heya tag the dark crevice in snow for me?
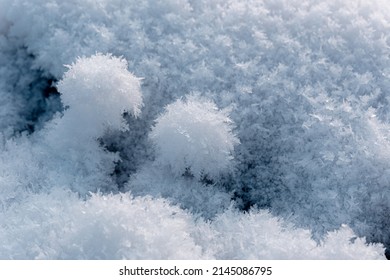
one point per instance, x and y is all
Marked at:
(44, 102)
(132, 146)
(33, 97)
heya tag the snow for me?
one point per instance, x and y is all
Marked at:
(58, 225)
(193, 136)
(246, 128)
(95, 93)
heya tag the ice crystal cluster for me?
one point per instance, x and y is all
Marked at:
(191, 129)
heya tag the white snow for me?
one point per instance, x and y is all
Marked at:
(246, 128)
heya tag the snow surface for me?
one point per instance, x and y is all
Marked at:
(191, 129)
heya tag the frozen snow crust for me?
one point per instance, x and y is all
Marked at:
(194, 129)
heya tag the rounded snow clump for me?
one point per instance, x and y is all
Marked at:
(193, 137)
(96, 91)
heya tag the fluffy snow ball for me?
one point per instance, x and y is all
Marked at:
(96, 91)
(194, 137)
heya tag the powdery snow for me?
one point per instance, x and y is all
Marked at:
(246, 128)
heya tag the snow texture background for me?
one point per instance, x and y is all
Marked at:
(194, 129)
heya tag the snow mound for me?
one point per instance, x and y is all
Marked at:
(96, 92)
(193, 136)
